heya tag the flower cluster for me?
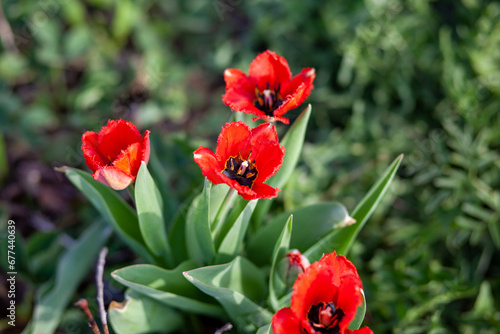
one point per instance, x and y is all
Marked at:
(327, 294)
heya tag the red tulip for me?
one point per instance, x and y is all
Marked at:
(244, 159)
(325, 299)
(115, 153)
(269, 90)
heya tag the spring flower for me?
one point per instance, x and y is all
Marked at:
(325, 299)
(115, 153)
(244, 159)
(269, 90)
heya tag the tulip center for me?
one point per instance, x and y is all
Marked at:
(268, 100)
(325, 318)
(241, 170)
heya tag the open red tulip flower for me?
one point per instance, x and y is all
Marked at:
(325, 299)
(269, 90)
(244, 159)
(115, 153)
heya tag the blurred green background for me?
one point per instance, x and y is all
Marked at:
(419, 77)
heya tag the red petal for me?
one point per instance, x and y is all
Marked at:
(266, 151)
(236, 79)
(312, 287)
(129, 160)
(241, 101)
(324, 281)
(272, 119)
(306, 77)
(285, 322)
(270, 68)
(113, 177)
(348, 299)
(263, 190)
(247, 193)
(89, 147)
(364, 330)
(210, 166)
(232, 140)
(264, 132)
(291, 101)
(146, 147)
(117, 136)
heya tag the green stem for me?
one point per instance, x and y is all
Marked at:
(223, 210)
(131, 192)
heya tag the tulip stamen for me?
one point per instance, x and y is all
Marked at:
(241, 170)
(268, 100)
(325, 318)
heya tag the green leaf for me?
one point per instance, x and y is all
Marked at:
(113, 208)
(485, 301)
(235, 285)
(149, 205)
(177, 231)
(360, 314)
(341, 240)
(280, 250)
(217, 196)
(310, 224)
(231, 244)
(265, 329)
(73, 267)
(167, 286)
(199, 241)
(141, 314)
(293, 142)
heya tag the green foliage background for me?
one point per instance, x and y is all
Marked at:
(416, 77)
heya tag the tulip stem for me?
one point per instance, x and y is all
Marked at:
(222, 213)
(131, 192)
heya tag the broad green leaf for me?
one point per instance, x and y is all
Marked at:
(265, 329)
(310, 224)
(73, 267)
(199, 242)
(231, 243)
(217, 196)
(293, 142)
(113, 208)
(360, 314)
(342, 239)
(280, 250)
(177, 231)
(221, 222)
(160, 175)
(167, 286)
(149, 205)
(140, 314)
(229, 211)
(236, 285)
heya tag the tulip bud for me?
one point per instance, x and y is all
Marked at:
(294, 264)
